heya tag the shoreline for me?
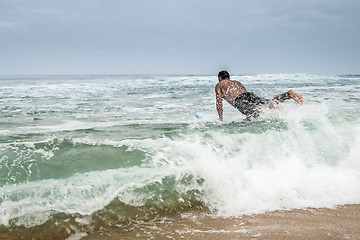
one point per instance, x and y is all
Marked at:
(341, 222)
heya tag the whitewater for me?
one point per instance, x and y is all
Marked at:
(103, 147)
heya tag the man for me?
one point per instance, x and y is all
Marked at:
(246, 102)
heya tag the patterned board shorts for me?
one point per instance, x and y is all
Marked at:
(247, 102)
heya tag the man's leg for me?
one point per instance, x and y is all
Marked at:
(289, 95)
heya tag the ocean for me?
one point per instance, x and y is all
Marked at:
(80, 154)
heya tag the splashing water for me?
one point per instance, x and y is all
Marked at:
(104, 145)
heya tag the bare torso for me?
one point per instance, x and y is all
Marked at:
(229, 90)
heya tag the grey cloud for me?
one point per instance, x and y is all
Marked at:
(179, 36)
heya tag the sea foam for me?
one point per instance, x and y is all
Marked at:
(82, 146)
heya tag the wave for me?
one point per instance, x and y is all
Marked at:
(106, 154)
(231, 169)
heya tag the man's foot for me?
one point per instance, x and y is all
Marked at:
(296, 97)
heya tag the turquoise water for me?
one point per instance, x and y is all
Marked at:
(108, 147)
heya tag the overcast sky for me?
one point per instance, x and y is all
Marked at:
(179, 36)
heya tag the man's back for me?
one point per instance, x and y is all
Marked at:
(229, 89)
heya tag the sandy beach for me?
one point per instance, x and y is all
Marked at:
(338, 223)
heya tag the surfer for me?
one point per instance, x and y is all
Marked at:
(246, 102)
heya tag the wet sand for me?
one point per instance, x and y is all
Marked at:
(339, 223)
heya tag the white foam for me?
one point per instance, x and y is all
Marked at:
(302, 166)
(310, 160)
(81, 193)
(77, 235)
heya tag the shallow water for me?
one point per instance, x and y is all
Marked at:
(84, 150)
